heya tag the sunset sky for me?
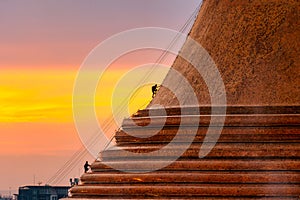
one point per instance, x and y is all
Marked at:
(42, 45)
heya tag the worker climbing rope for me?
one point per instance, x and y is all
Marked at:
(86, 167)
(154, 90)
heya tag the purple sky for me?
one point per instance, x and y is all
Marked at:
(55, 33)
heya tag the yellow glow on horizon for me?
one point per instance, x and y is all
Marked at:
(46, 96)
(36, 106)
(36, 96)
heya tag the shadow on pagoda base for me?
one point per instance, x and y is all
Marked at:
(257, 156)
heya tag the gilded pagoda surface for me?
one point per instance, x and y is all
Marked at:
(255, 45)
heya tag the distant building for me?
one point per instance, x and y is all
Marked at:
(46, 192)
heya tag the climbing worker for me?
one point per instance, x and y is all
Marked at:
(76, 181)
(86, 167)
(154, 90)
(71, 182)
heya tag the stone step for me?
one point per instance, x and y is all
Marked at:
(261, 120)
(138, 144)
(252, 134)
(198, 190)
(194, 147)
(220, 150)
(197, 198)
(192, 177)
(153, 146)
(204, 165)
(206, 110)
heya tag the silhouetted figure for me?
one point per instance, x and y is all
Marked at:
(76, 181)
(86, 167)
(71, 182)
(154, 90)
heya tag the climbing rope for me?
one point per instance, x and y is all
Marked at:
(62, 173)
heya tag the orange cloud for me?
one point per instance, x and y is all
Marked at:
(30, 96)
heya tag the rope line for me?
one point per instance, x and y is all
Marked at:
(82, 151)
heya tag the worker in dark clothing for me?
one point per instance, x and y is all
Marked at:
(76, 181)
(71, 182)
(86, 167)
(154, 90)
